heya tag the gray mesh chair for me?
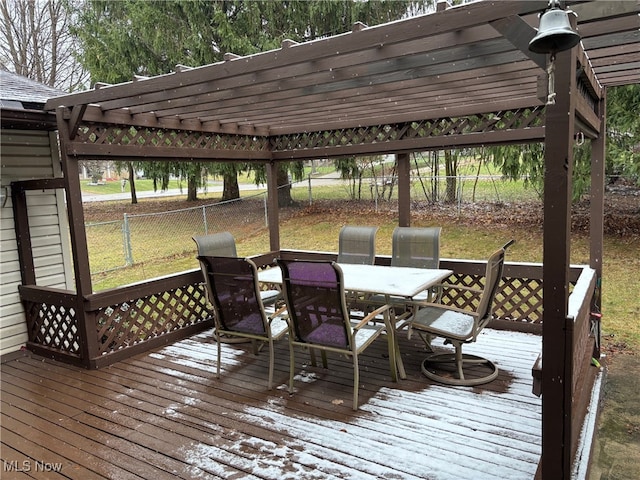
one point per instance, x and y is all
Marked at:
(233, 290)
(417, 247)
(458, 327)
(356, 244)
(319, 318)
(222, 244)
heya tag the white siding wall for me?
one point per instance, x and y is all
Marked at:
(30, 155)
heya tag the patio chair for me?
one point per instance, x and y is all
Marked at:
(417, 247)
(222, 244)
(319, 318)
(232, 287)
(356, 244)
(458, 327)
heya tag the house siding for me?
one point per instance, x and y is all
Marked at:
(26, 155)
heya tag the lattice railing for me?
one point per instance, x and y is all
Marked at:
(97, 134)
(517, 299)
(133, 318)
(439, 127)
(129, 323)
(54, 326)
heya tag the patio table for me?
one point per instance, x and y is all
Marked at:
(378, 280)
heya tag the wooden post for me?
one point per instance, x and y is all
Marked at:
(23, 235)
(404, 190)
(596, 213)
(556, 347)
(87, 327)
(21, 221)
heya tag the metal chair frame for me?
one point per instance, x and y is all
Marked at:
(458, 327)
(319, 317)
(234, 291)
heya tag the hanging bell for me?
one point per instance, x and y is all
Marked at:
(555, 33)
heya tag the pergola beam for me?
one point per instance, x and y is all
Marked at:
(418, 28)
(163, 153)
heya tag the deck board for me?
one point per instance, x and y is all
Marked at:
(164, 415)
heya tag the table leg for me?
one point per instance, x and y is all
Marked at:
(399, 364)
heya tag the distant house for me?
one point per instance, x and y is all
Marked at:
(29, 151)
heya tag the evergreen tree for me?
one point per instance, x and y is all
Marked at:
(121, 38)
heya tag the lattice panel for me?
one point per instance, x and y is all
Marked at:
(440, 127)
(97, 134)
(517, 299)
(520, 299)
(120, 326)
(54, 326)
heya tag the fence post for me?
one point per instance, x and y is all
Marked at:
(126, 237)
(459, 194)
(204, 219)
(375, 189)
(310, 194)
(266, 213)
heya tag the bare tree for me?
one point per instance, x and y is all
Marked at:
(36, 42)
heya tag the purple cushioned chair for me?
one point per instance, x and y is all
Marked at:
(233, 290)
(319, 318)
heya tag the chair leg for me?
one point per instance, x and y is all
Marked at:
(356, 381)
(255, 345)
(219, 357)
(292, 367)
(271, 362)
(323, 354)
(426, 339)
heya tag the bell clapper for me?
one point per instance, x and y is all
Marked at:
(551, 91)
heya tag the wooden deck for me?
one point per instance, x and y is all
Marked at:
(164, 415)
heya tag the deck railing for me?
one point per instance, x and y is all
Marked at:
(108, 326)
(583, 329)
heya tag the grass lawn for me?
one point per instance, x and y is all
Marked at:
(319, 231)
(114, 186)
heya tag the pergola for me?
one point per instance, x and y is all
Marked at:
(462, 76)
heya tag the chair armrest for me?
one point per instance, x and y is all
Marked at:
(371, 316)
(277, 313)
(451, 286)
(440, 306)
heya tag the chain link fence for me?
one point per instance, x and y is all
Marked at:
(457, 190)
(160, 237)
(166, 235)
